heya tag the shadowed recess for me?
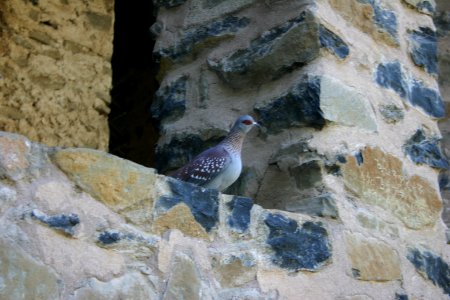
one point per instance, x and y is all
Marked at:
(132, 131)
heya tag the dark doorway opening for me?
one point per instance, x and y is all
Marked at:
(133, 135)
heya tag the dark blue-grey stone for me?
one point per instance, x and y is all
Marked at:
(109, 237)
(442, 22)
(181, 150)
(297, 248)
(203, 203)
(170, 100)
(298, 107)
(168, 3)
(383, 18)
(240, 213)
(426, 6)
(341, 158)
(424, 49)
(272, 54)
(432, 267)
(444, 181)
(423, 150)
(428, 99)
(195, 36)
(390, 76)
(64, 223)
(359, 158)
(333, 42)
(401, 296)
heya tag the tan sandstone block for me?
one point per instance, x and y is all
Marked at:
(124, 186)
(112, 180)
(180, 217)
(371, 259)
(380, 181)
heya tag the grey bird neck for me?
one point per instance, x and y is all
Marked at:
(234, 140)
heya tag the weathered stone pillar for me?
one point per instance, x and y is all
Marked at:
(55, 72)
(442, 21)
(327, 79)
(348, 94)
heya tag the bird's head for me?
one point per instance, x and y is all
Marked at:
(245, 123)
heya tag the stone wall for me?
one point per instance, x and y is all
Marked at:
(325, 78)
(55, 72)
(344, 175)
(442, 21)
(82, 224)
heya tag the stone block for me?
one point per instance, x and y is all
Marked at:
(202, 203)
(124, 186)
(380, 180)
(312, 101)
(179, 217)
(321, 206)
(371, 259)
(297, 248)
(432, 267)
(300, 106)
(109, 237)
(234, 270)
(131, 286)
(13, 156)
(424, 6)
(239, 218)
(370, 221)
(333, 42)
(391, 113)
(128, 238)
(8, 197)
(423, 150)
(170, 100)
(371, 17)
(424, 49)
(428, 100)
(184, 281)
(294, 182)
(278, 51)
(200, 36)
(62, 222)
(23, 277)
(390, 75)
(384, 19)
(344, 105)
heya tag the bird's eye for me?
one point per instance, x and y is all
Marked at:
(247, 122)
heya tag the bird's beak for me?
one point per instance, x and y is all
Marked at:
(256, 124)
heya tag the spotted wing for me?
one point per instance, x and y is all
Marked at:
(204, 167)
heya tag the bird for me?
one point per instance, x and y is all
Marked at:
(220, 166)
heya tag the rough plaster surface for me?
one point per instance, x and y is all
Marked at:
(55, 72)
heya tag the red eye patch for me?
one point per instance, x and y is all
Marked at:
(247, 122)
